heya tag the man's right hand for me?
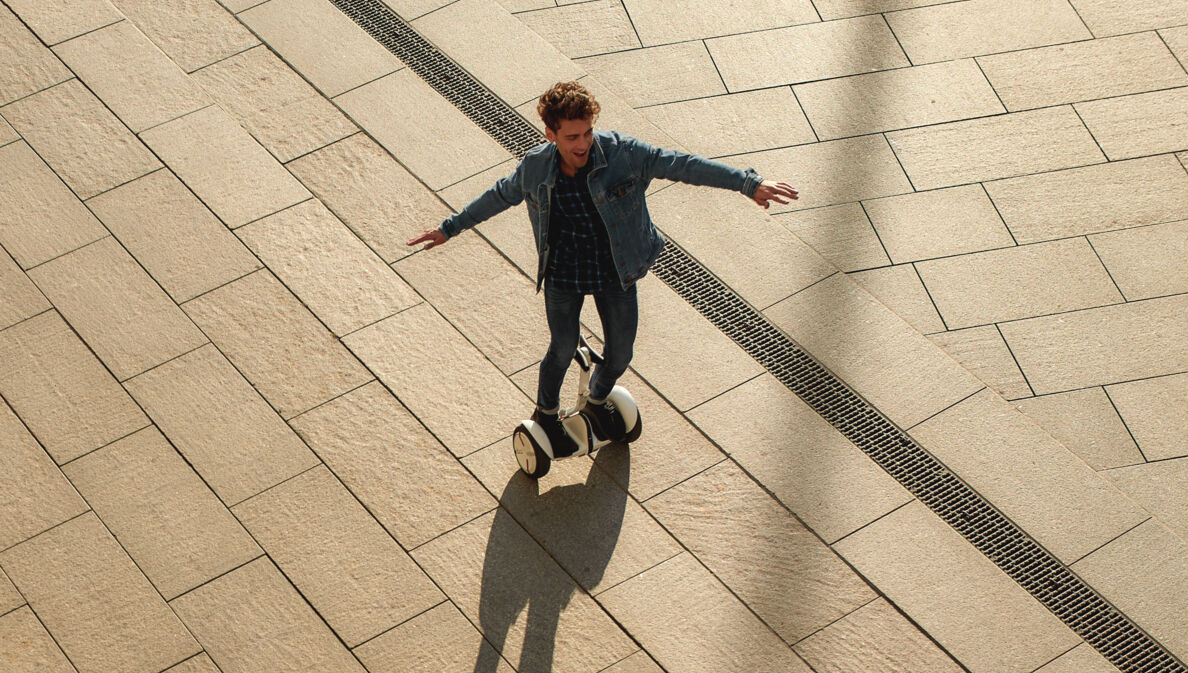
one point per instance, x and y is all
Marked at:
(433, 236)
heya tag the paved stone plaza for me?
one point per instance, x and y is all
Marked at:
(245, 429)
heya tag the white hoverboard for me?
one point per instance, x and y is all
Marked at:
(533, 450)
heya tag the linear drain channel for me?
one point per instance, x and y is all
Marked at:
(1045, 577)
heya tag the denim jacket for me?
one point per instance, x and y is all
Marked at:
(621, 169)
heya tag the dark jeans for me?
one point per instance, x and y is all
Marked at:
(619, 311)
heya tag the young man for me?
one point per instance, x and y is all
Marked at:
(585, 195)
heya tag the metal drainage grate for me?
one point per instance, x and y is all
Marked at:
(1123, 643)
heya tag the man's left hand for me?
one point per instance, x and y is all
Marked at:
(780, 192)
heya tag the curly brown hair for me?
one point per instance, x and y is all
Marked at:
(566, 100)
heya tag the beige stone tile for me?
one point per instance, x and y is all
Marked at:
(1161, 487)
(874, 633)
(1137, 125)
(411, 9)
(10, 598)
(938, 223)
(491, 569)
(427, 134)
(511, 233)
(438, 641)
(1144, 262)
(811, 467)
(949, 31)
(115, 306)
(62, 393)
(7, 133)
(435, 372)
(839, 9)
(568, 27)
(194, 33)
(334, 273)
(168, 521)
(132, 76)
(657, 75)
(1145, 575)
(285, 634)
(393, 465)
(861, 341)
(223, 428)
(36, 494)
(1030, 477)
(639, 662)
(278, 345)
(1153, 411)
(232, 174)
(735, 123)
(287, 115)
(198, 664)
(459, 194)
(322, 43)
(1087, 424)
(57, 20)
(996, 147)
(340, 558)
(487, 299)
(1083, 71)
(1018, 282)
(1177, 40)
(899, 289)
(841, 234)
(25, 65)
(101, 610)
(1112, 17)
(665, 21)
(80, 138)
(1099, 346)
(20, 298)
(833, 172)
(1080, 201)
(896, 99)
(42, 218)
(176, 238)
(984, 353)
(617, 113)
(777, 263)
(720, 635)
(955, 594)
(580, 513)
(1081, 659)
(760, 551)
(805, 53)
(27, 647)
(371, 193)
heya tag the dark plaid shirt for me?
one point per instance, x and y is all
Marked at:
(581, 259)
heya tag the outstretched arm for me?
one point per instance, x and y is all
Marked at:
(780, 192)
(432, 236)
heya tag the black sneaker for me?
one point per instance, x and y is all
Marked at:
(607, 421)
(562, 444)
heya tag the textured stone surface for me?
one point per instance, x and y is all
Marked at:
(343, 282)
(393, 465)
(1138, 125)
(36, 495)
(322, 43)
(742, 122)
(996, 147)
(80, 138)
(1086, 423)
(568, 27)
(115, 306)
(1177, 41)
(371, 193)
(956, 595)
(42, 218)
(658, 74)
(1079, 201)
(666, 21)
(836, 9)
(287, 115)
(897, 99)
(1152, 410)
(10, 598)
(841, 234)
(7, 133)
(232, 174)
(900, 289)
(20, 298)
(132, 76)
(639, 662)
(285, 634)
(875, 638)
(58, 20)
(1146, 262)
(194, 33)
(886, 361)
(26, 646)
(1112, 17)
(805, 53)
(760, 551)
(812, 468)
(224, 429)
(176, 238)
(438, 641)
(340, 558)
(61, 392)
(938, 223)
(947, 31)
(1161, 487)
(1081, 659)
(25, 65)
(168, 521)
(411, 9)
(198, 664)
(720, 635)
(983, 352)
(101, 610)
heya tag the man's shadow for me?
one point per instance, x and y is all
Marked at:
(578, 525)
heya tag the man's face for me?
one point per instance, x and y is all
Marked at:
(573, 138)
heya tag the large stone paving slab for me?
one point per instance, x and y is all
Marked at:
(735, 123)
(842, 234)
(26, 66)
(438, 641)
(1086, 423)
(1112, 17)
(938, 223)
(665, 21)
(658, 74)
(876, 632)
(984, 353)
(57, 20)
(1161, 487)
(567, 27)
(10, 598)
(194, 33)
(28, 648)
(1146, 262)
(1153, 412)
(955, 30)
(900, 289)
(20, 298)
(1138, 125)
(7, 133)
